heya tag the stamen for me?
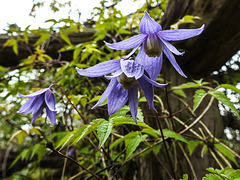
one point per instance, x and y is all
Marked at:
(152, 46)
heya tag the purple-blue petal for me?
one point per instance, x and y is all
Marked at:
(36, 114)
(180, 34)
(37, 103)
(128, 43)
(148, 92)
(27, 107)
(101, 69)
(34, 94)
(50, 100)
(133, 101)
(51, 115)
(152, 65)
(117, 98)
(171, 47)
(154, 83)
(173, 61)
(148, 25)
(113, 83)
(132, 69)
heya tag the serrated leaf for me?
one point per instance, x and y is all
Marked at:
(133, 143)
(224, 99)
(212, 177)
(192, 145)
(226, 152)
(174, 135)
(198, 97)
(186, 85)
(104, 129)
(229, 86)
(235, 175)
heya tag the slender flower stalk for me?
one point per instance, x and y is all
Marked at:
(154, 43)
(39, 100)
(123, 87)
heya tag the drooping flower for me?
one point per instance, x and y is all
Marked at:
(37, 102)
(154, 43)
(123, 87)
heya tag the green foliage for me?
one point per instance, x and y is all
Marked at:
(108, 145)
(227, 173)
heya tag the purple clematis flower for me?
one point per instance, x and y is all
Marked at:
(154, 41)
(123, 87)
(37, 102)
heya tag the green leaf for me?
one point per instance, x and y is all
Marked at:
(224, 99)
(226, 152)
(212, 177)
(179, 92)
(12, 43)
(229, 86)
(104, 129)
(172, 134)
(133, 143)
(3, 69)
(64, 36)
(42, 39)
(186, 85)
(152, 132)
(192, 145)
(198, 97)
(235, 175)
(185, 177)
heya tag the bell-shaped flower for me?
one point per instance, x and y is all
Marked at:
(37, 102)
(123, 87)
(154, 42)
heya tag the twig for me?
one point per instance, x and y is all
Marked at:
(189, 162)
(50, 146)
(165, 146)
(199, 117)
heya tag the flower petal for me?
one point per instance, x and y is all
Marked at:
(34, 94)
(50, 100)
(132, 69)
(101, 69)
(113, 83)
(152, 65)
(36, 114)
(27, 107)
(133, 101)
(51, 115)
(37, 103)
(171, 47)
(148, 92)
(148, 25)
(180, 34)
(153, 82)
(173, 61)
(117, 98)
(128, 43)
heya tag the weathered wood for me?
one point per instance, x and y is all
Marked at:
(220, 39)
(8, 58)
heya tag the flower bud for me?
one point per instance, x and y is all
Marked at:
(127, 82)
(152, 46)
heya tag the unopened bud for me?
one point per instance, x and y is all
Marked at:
(127, 82)
(152, 46)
